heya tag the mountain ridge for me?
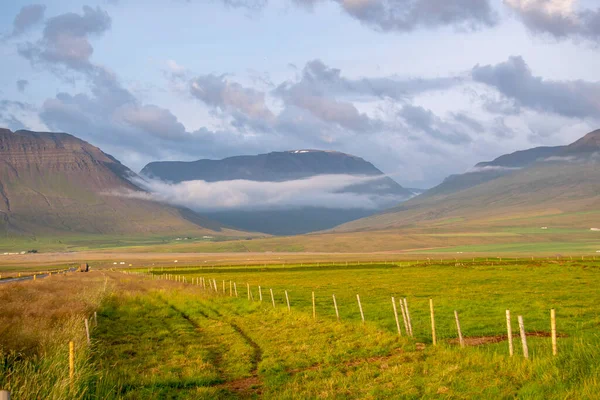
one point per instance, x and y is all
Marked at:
(555, 185)
(56, 183)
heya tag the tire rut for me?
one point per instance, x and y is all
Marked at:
(243, 386)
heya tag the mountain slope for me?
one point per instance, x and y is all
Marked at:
(55, 183)
(490, 170)
(562, 189)
(281, 167)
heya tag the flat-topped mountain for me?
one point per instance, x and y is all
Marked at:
(55, 183)
(281, 167)
(276, 167)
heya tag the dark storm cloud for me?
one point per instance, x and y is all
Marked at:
(557, 18)
(407, 15)
(514, 79)
(28, 17)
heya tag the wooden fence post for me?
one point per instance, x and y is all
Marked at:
(260, 293)
(408, 317)
(230, 289)
(460, 336)
(337, 313)
(87, 331)
(553, 330)
(404, 316)
(432, 322)
(72, 365)
(287, 299)
(523, 337)
(511, 350)
(314, 306)
(272, 298)
(95, 318)
(248, 288)
(235, 289)
(4, 395)
(362, 315)
(396, 316)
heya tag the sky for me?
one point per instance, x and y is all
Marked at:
(420, 88)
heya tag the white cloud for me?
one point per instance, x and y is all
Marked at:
(318, 191)
(491, 168)
(559, 18)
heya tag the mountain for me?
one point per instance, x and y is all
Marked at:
(490, 170)
(557, 186)
(281, 167)
(276, 167)
(55, 183)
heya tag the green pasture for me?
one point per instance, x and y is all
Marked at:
(184, 341)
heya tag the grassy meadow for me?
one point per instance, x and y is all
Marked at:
(166, 339)
(478, 239)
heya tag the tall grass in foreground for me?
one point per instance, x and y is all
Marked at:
(37, 321)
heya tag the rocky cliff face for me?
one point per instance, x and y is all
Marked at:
(56, 183)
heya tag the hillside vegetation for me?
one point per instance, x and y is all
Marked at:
(54, 183)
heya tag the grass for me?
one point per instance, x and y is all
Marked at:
(161, 339)
(480, 291)
(85, 242)
(551, 248)
(37, 321)
(504, 236)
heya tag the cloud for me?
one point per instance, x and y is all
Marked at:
(558, 18)
(514, 79)
(218, 92)
(420, 119)
(317, 191)
(152, 119)
(22, 84)
(593, 157)
(491, 168)
(408, 15)
(322, 94)
(375, 117)
(28, 17)
(253, 5)
(318, 78)
(65, 40)
(13, 113)
(330, 110)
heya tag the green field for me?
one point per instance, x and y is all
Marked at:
(448, 238)
(165, 339)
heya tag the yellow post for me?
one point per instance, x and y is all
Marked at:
(432, 322)
(72, 364)
(553, 330)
